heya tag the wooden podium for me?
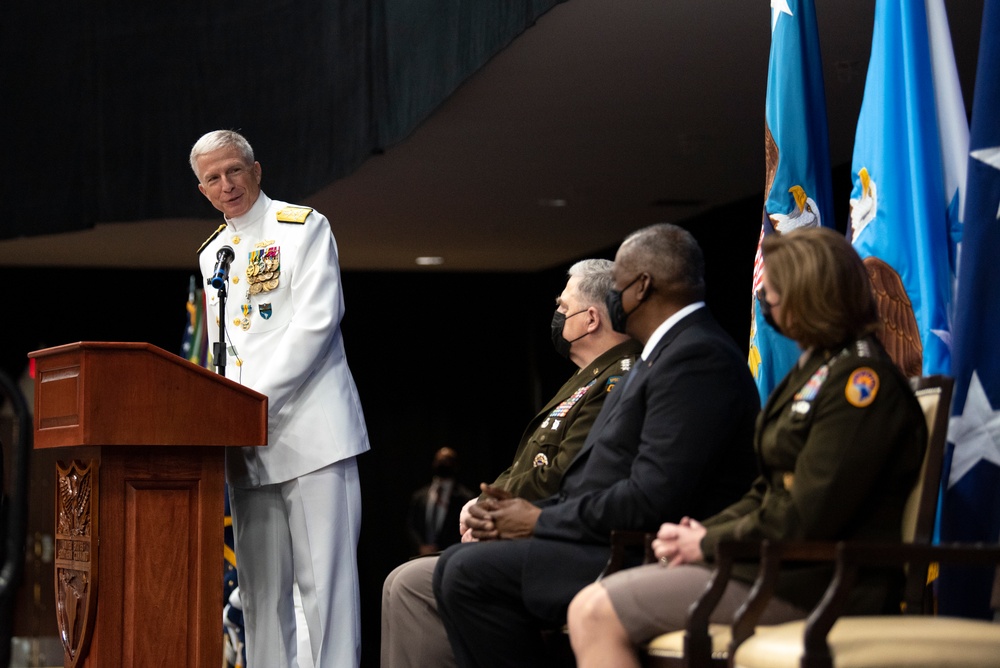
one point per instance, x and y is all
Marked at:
(139, 499)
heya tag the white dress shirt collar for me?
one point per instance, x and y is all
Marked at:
(666, 325)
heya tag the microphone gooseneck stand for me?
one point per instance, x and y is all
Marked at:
(219, 350)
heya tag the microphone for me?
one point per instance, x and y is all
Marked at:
(222, 260)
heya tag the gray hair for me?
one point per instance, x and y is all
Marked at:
(595, 280)
(218, 139)
(671, 256)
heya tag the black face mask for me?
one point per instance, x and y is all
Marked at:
(558, 340)
(615, 309)
(765, 310)
(444, 470)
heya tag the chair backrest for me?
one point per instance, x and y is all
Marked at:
(920, 511)
(934, 395)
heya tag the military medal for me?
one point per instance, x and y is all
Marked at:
(563, 408)
(263, 267)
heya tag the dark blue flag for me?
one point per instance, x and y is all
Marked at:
(971, 510)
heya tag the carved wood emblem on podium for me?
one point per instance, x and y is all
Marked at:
(76, 556)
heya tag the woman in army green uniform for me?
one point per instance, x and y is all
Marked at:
(839, 444)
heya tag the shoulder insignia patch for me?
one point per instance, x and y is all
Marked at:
(540, 460)
(610, 385)
(209, 240)
(861, 387)
(293, 214)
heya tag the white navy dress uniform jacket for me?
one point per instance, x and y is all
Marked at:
(285, 342)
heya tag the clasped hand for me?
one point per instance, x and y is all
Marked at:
(499, 516)
(679, 543)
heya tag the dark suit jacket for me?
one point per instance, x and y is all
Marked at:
(675, 441)
(416, 518)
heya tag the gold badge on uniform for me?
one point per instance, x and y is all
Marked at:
(540, 460)
(788, 480)
(862, 387)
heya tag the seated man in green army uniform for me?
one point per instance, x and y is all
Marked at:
(581, 330)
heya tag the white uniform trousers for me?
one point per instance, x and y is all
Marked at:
(304, 530)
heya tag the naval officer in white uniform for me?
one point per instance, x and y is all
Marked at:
(296, 503)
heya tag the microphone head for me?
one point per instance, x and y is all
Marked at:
(223, 257)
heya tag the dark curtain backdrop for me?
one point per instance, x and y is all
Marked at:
(99, 101)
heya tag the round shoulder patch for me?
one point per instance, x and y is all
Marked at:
(862, 387)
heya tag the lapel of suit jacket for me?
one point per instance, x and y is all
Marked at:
(612, 403)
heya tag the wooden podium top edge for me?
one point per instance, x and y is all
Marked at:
(147, 347)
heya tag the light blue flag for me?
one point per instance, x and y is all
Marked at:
(971, 509)
(953, 127)
(898, 203)
(799, 190)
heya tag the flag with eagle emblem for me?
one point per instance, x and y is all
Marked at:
(911, 128)
(798, 190)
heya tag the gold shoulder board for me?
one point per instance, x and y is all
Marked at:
(293, 214)
(209, 240)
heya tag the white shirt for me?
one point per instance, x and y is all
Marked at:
(666, 325)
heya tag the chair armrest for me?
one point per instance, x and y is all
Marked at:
(621, 542)
(772, 555)
(697, 640)
(851, 556)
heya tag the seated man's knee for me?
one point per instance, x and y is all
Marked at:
(414, 579)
